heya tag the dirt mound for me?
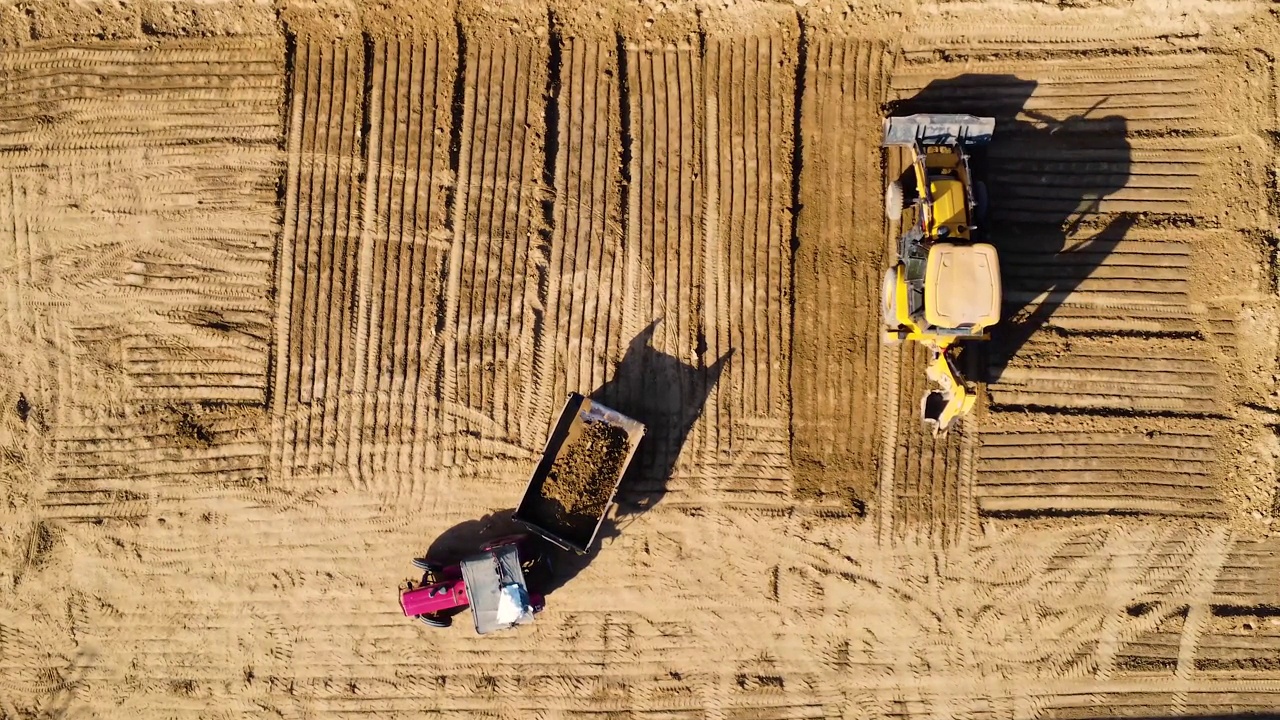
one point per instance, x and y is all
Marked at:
(582, 477)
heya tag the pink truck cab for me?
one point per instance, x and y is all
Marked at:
(491, 583)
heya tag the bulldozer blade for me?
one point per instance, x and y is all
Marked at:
(967, 130)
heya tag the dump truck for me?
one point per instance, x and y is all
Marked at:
(943, 288)
(491, 583)
(565, 502)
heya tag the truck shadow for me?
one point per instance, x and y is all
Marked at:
(659, 390)
(667, 396)
(558, 566)
(465, 538)
(1050, 166)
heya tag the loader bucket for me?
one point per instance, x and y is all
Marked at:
(940, 408)
(967, 130)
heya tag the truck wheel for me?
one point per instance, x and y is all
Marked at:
(893, 200)
(432, 572)
(426, 565)
(539, 570)
(435, 621)
(980, 206)
(535, 557)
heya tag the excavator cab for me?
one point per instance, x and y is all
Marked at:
(944, 286)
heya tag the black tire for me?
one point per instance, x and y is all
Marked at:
(435, 621)
(428, 566)
(533, 555)
(504, 540)
(432, 572)
(539, 570)
(980, 206)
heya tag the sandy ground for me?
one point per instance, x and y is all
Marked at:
(292, 293)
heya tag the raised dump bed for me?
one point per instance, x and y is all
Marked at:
(577, 478)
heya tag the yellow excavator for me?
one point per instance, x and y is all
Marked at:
(944, 286)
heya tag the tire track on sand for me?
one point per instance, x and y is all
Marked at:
(493, 283)
(586, 235)
(403, 256)
(316, 269)
(749, 94)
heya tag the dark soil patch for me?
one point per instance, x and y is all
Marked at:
(1133, 663)
(191, 432)
(40, 544)
(582, 476)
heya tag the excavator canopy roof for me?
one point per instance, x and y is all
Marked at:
(962, 286)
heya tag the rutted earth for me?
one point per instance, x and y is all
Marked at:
(292, 291)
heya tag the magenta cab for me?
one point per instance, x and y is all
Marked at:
(491, 583)
(433, 599)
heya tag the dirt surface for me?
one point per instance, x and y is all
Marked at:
(582, 477)
(292, 288)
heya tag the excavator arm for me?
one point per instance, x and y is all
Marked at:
(941, 407)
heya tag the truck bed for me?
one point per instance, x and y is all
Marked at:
(544, 515)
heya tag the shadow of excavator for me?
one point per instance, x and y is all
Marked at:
(1048, 181)
(661, 391)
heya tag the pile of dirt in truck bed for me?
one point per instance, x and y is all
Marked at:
(582, 476)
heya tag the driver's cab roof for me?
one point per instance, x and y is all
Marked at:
(486, 576)
(962, 286)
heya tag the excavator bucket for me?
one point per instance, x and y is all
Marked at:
(940, 408)
(966, 130)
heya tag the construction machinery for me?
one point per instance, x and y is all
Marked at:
(944, 286)
(492, 583)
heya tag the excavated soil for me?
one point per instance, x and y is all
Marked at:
(583, 475)
(290, 289)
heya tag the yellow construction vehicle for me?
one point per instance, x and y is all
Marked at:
(944, 286)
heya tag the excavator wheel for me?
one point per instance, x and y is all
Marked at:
(980, 202)
(893, 200)
(888, 299)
